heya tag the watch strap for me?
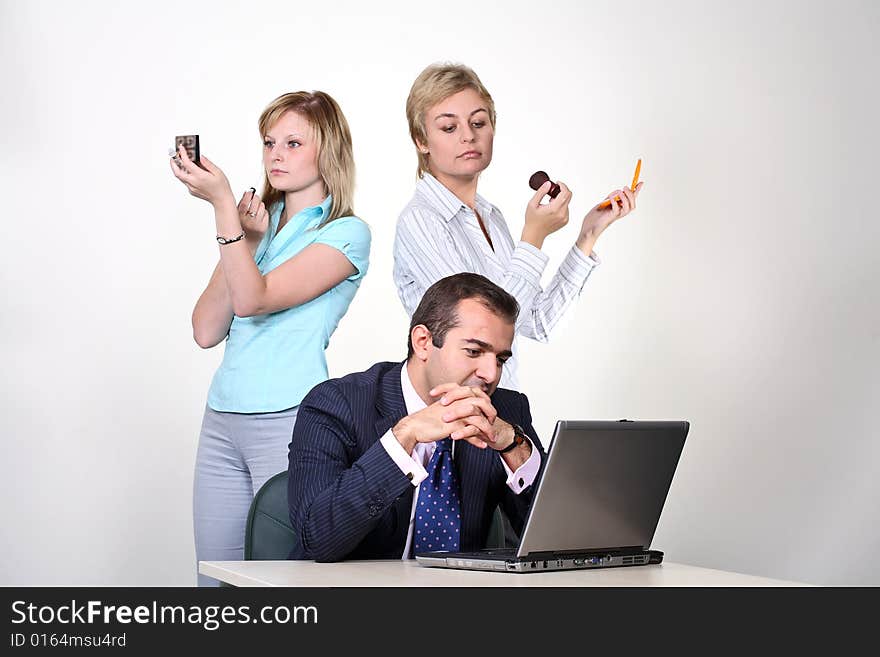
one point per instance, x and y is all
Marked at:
(519, 437)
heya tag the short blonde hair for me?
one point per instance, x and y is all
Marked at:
(436, 83)
(335, 156)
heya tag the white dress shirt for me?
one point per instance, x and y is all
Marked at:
(517, 480)
(438, 235)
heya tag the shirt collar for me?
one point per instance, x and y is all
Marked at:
(324, 208)
(444, 200)
(411, 398)
(313, 211)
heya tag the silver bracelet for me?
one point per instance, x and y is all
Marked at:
(222, 240)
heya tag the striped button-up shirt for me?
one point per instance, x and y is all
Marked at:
(438, 235)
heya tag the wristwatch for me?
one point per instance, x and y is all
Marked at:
(519, 437)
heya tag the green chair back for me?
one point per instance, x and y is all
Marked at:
(269, 536)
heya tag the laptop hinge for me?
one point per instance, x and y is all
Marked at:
(563, 554)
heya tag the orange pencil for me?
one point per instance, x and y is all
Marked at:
(636, 175)
(606, 204)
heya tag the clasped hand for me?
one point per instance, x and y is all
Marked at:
(462, 413)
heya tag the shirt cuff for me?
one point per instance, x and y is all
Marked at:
(589, 261)
(413, 470)
(525, 474)
(530, 261)
(577, 267)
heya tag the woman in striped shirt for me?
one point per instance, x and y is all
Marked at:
(448, 228)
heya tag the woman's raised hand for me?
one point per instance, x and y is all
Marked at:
(206, 182)
(254, 217)
(542, 219)
(623, 201)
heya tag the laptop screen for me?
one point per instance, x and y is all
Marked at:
(604, 486)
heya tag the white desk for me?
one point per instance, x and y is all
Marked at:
(408, 573)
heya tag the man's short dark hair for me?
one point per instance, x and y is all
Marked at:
(438, 309)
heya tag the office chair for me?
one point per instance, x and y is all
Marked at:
(501, 532)
(269, 536)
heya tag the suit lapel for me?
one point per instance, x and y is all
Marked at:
(389, 401)
(390, 408)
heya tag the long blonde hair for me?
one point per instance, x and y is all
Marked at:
(335, 157)
(436, 83)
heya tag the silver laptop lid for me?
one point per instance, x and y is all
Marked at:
(604, 486)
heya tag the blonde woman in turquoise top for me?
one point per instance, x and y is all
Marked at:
(291, 260)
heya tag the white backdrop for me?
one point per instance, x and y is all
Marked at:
(742, 295)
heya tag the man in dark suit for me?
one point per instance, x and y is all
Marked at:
(361, 444)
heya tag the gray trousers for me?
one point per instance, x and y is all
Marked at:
(237, 453)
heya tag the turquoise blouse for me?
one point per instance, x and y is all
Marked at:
(271, 361)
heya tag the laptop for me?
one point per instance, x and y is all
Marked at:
(597, 503)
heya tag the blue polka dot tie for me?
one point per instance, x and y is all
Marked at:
(438, 512)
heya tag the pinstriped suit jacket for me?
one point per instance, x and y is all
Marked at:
(349, 500)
